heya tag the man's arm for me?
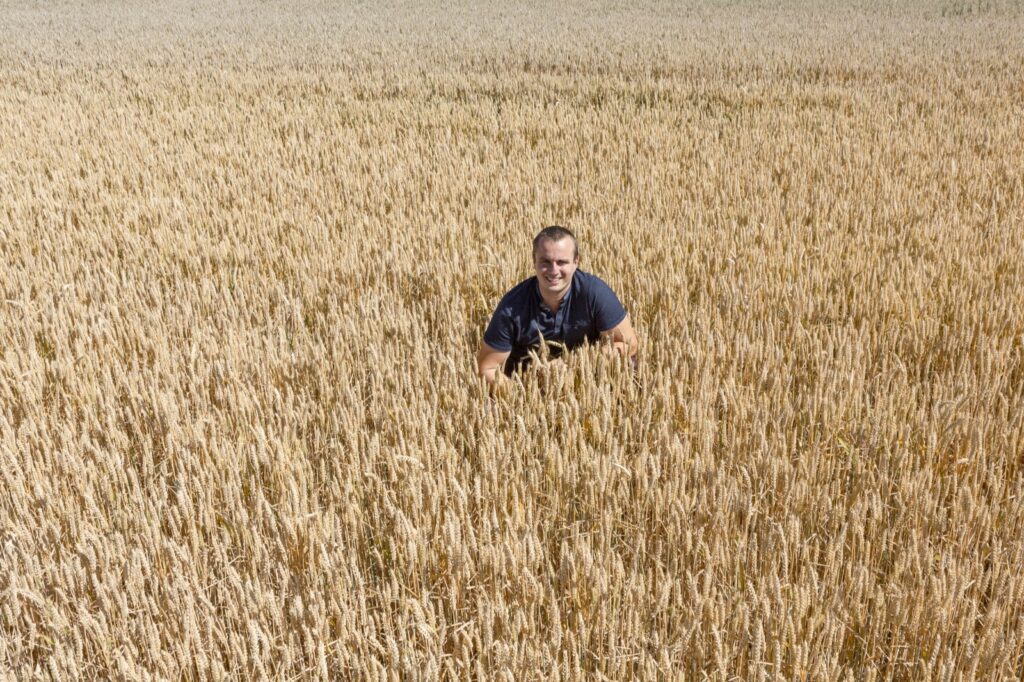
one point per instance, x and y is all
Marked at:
(622, 338)
(489, 362)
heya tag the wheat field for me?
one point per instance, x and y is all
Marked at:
(248, 252)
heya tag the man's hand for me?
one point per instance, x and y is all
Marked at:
(489, 362)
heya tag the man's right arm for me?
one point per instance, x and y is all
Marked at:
(489, 362)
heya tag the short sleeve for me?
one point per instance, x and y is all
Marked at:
(499, 331)
(608, 311)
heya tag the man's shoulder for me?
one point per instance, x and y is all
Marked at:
(600, 301)
(589, 283)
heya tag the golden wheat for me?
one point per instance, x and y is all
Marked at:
(248, 254)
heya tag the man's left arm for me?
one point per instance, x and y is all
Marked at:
(612, 320)
(622, 338)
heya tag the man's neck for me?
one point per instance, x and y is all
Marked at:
(553, 304)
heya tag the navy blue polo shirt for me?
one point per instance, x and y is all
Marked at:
(521, 318)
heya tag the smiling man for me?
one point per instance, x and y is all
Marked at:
(561, 306)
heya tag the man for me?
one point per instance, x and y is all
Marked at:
(561, 305)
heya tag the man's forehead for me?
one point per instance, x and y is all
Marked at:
(551, 248)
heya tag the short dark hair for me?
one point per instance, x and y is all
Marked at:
(556, 233)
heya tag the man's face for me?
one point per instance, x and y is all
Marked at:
(555, 263)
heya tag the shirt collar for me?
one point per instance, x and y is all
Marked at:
(565, 299)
